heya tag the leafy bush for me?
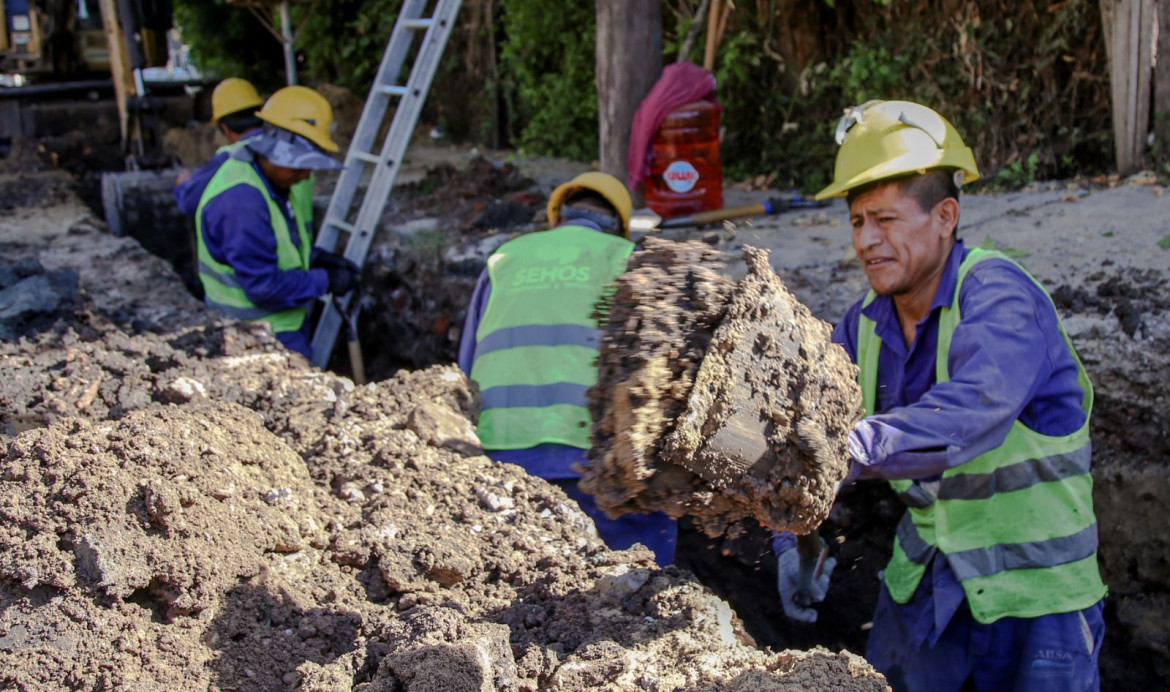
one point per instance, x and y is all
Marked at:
(547, 69)
(227, 41)
(343, 41)
(1025, 82)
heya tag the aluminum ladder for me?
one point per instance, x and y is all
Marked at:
(359, 224)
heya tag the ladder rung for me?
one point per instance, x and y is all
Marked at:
(418, 24)
(364, 156)
(393, 90)
(347, 227)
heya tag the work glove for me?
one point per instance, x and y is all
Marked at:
(342, 279)
(323, 259)
(797, 586)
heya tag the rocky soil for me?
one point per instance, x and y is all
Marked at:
(185, 505)
(1097, 245)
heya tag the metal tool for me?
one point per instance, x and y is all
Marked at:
(648, 221)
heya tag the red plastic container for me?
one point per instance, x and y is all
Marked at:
(686, 173)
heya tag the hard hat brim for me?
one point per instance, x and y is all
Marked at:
(291, 150)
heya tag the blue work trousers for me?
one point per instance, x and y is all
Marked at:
(656, 531)
(1056, 653)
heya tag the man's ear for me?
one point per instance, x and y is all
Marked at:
(946, 215)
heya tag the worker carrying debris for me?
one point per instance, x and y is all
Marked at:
(726, 401)
(979, 418)
(530, 342)
(254, 241)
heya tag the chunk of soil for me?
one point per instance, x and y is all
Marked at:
(760, 428)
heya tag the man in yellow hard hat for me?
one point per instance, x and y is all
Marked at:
(978, 414)
(255, 248)
(234, 103)
(531, 342)
(234, 106)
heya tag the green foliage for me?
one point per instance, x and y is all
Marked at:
(1018, 173)
(1026, 85)
(869, 71)
(1164, 243)
(343, 41)
(547, 69)
(227, 41)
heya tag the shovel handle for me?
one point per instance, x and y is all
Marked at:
(772, 206)
(355, 361)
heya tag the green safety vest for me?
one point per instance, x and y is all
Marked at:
(537, 344)
(221, 290)
(1016, 523)
(299, 195)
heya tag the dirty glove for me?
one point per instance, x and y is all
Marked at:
(323, 259)
(342, 280)
(798, 589)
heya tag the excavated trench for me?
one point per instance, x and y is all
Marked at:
(185, 505)
(416, 289)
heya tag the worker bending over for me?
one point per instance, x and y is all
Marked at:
(978, 416)
(254, 246)
(234, 103)
(531, 344)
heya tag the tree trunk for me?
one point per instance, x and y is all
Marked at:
(629, 61)
(1162, 68)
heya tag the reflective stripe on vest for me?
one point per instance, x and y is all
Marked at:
(1016, 523)
(537, 344)
(221, 289)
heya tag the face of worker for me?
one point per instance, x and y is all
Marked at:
(902, 248)
(280, 177)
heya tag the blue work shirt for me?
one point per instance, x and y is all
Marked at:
(1008, 361)
(237, 230)
(548, 461)
(188, 194)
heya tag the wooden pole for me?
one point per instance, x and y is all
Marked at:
(1162, 66)
(1130, 46)
(3, 29)
(715, 11)
(119, 64)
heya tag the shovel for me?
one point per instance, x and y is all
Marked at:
(349, 317)
(647, 221)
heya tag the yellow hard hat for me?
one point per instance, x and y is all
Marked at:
(887, 139)
(603, 184)
(303, 111)
(233, 95)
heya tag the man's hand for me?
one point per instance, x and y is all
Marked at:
(797, 586)
(323, 259)
(342, 280)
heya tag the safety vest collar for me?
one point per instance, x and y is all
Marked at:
(880, 309)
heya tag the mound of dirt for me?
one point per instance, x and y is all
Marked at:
(185, 505)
